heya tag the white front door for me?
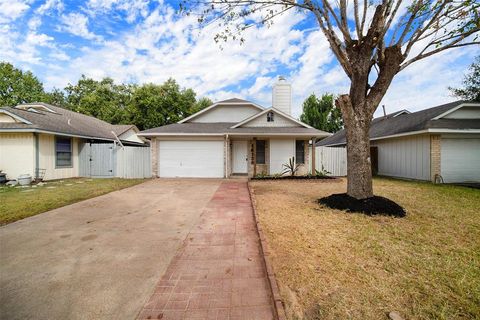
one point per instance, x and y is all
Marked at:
(240, 156)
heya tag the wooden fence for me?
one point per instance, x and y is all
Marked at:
(133, 162)
(333, 160)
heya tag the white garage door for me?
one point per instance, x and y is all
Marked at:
(196, 159)
(460, 160)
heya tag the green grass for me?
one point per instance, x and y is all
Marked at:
(336, 265)
(19, 203)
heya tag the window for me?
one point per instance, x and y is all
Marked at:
(270, 116)
(260, 155)
(63, 152)
(300, 151)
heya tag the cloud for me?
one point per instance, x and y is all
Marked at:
(50, 5)
(12, 9)
(77, 24)
(137, 41)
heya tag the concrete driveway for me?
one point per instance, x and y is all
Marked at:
(100, 258)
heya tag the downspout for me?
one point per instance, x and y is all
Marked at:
(37, 156)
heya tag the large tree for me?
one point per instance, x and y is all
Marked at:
(17, 86)
(372, 41)
(156, 105)
(471, 83)
(321, 113)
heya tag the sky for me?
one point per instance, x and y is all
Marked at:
(140, 41)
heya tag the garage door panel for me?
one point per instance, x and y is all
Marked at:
(460, 160)
(201, 159)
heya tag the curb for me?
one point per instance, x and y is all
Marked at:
(277, 299)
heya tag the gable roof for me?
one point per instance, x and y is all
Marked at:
(60, 121)
(233, 101)
(400, 123)
(255, 116)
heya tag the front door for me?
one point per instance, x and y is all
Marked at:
(240, 156)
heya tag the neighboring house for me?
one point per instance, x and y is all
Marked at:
(436, 144)
(38, 138)
(233, 137)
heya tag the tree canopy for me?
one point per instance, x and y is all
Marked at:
(321, 113)
(146, 105)
(471, 83)
(17, 86)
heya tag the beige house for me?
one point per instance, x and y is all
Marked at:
(439, 144)
(234, 137)
(44, 140)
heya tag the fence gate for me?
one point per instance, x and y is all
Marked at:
(101, 159)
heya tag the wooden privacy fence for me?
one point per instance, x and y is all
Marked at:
(333, 160)
(110, 160)
(133, 162)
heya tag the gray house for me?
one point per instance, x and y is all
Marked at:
(436, 144)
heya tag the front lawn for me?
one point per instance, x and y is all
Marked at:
(17, 203)
(336, 265)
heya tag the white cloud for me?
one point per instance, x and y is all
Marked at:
(132, 8)
(12, 9)
(50, 5)
(77, 24)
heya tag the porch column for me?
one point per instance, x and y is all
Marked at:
(313, 155)
(254, 157)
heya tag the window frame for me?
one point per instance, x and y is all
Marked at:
(264, 151)
(302, 142)
(270, 116)
(57, 166)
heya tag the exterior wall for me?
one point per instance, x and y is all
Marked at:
(305, 168)
(17, 154)
(260, 168)
(280, 151)
(279, 121)
(46, 143)
(227, 113)
(464, 113)
(405, 157)
(435, 156)
(154, 156)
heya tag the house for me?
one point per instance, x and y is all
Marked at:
(436, 144)
(234, 137)
(44, 140)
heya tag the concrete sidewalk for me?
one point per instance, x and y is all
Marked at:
(218, 273)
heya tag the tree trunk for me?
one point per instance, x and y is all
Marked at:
(357, 119)
(359, 169)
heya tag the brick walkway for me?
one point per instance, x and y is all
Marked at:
(218, 273)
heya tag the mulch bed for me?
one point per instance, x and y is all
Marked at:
(295, 178)
(375, 205)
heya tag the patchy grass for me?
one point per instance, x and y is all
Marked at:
(336, 265)
(17, 203)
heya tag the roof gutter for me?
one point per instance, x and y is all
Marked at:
(55, 133)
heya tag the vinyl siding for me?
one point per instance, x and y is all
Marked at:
(47, 158)
(17, 154)
(278, 121)
(232, 113)
(407, 157)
